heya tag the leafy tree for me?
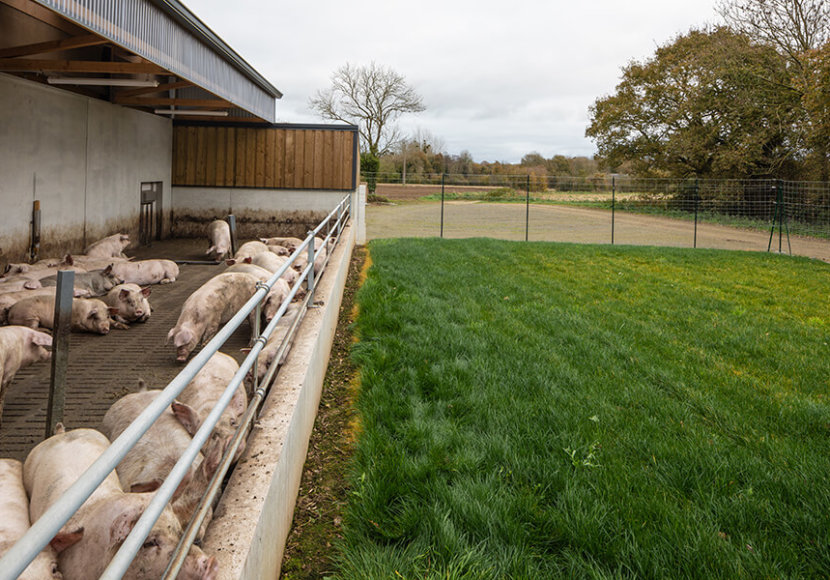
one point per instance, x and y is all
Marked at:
(372, 97)
(369, 165)
(709, 104)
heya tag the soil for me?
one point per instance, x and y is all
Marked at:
(557, 223)
(324, 488)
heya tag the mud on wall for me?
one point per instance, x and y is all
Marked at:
(258, 212)
(83, 159)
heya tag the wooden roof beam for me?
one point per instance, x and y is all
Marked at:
(159, 102)
(52, 46)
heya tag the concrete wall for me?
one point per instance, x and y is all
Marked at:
(259, 212)
(251, 523)
(83, 158)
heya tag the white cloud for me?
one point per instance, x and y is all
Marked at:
(499, 79)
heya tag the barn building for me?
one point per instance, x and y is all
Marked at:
(134, 116)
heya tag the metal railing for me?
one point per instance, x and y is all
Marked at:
(49, 524)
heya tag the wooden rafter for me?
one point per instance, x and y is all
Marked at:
(79, 66)
(44, 15)
(51, 46)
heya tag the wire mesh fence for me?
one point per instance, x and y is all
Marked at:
(618, 209)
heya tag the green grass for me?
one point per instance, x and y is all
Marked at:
(560, 411)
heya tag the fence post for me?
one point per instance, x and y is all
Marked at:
(64, 294)
(231, 219)
(613, 204)
(442, 204)
(697, 204)
(779, 195)
(34, 248)
(310, 280)
(527, 208)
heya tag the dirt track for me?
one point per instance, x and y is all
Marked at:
(464, 219)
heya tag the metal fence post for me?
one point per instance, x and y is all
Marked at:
(697, 204)
(527, 208)
(231, 219)
(779, 195)
(34, 248)
(310, 281)
(442, 204)
(613, 204)
(64, 294)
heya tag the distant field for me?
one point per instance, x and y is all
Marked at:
(554, 410)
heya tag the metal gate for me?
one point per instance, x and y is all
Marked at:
(149, 217)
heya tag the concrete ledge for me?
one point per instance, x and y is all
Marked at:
(252, 521)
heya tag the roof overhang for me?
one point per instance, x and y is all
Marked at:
(154, 55)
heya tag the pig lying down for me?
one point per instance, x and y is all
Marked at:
(88, 314)
(94, 534)
(146, 271)
(14, 522)
(127, 303)
(110, 247)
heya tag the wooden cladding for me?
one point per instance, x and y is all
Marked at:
(264, 157)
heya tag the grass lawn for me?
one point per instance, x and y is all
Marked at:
(552, 410)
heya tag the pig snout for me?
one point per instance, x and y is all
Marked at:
(182, 353)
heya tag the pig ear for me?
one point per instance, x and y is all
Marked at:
(247, 260)
(32, 284)
(41, 339)
(170, 335)
(123, 294)
(125, 237)
(213, 457)
(146, 486)
(93, 313)
(112, 311)
(186, 416)
(230, 262)
(145, 291)
(64, 540)
(124, 523)
(59, 429)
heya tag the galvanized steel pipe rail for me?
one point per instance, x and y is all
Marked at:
(49, 524)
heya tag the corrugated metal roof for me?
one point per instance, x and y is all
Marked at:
(166, 33)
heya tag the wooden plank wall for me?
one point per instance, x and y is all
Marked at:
(264, 157)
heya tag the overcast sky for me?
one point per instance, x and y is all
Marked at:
(498, 78)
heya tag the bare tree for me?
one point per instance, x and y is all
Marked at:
(372, 97)
(792, 26)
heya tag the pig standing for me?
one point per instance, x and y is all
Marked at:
(106, 518)
(219, 234)
(269, 351)
(110, 247)
(146, 271)
(14, 522)
(20, 347)
(149, 462)
(88, 314)
(96, 283)
(127, 303)
(204, 391)
(210, 306)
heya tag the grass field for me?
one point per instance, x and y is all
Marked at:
(554, 410)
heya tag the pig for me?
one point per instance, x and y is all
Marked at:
(88, 314)
(279, 250)
(37, 272)
(272, 346)
(276, 262)
(14, 522)
(279, 290)
(219, 234)
(250, 249)
(146, 271)
(9, 299)
(130, 303)
(18, 283)
(89, 264)
(210, 306)
(20, 347)
(96, 531)
(110, 247)
(275, 297)
(290, 243)
(97, 283)
(204, 391)
(149, 462)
